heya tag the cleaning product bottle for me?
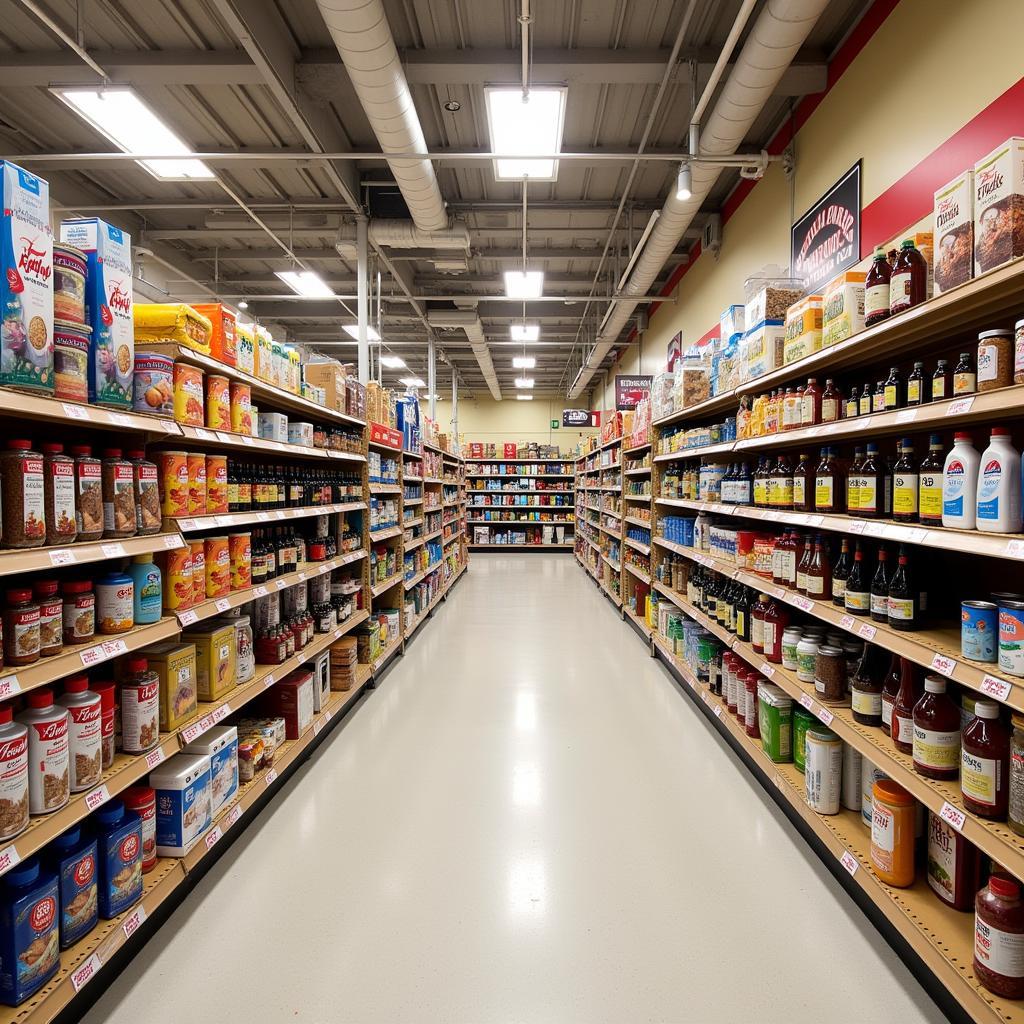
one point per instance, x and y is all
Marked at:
(148, 589)
(999, 494)
(959, 484)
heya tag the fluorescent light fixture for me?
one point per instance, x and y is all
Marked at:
(393, 362)
(524, 398)
(306, 283)
(523, 127)
(524, 382)
(684, 183)
(412, 382)
(525, 332)
(352, 330)
(524, 284)
(524, 362)
(123, 118)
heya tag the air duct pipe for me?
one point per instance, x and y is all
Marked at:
(469, 321)
(363, 37)
(402, 234)
(778, 33)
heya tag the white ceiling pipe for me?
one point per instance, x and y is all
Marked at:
(363, 37)
(469, 321)
(777, 34)
(403, 234)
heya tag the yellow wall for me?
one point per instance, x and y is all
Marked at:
(496, 422)
(930, 68)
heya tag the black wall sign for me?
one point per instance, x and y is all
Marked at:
(826, 239)
(580, 418)
(630, 391)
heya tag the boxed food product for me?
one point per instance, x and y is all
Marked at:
(953, 235)
(803, 328)
(292, 699)
(999, 206)
(695, 384)
(377, 404)
(215, 659)
(301, 433)
(175, 322)
(183, 802)
(108, 290)
(26, 281)
(732, 322)
(769, 297)
(331, 377)
(224, 335)
(264, 368)
(843, 314)
(762, 348)
(175, 664)
(321, 681)
(344, 659)
(245, 348)
(273, 426)
(220, 744)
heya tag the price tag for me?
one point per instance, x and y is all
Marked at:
(952, 816)
(76, 412)
(825, 715)
(262, 516)
(213, 837)
(875, 529)
(9, 686)
(906, 416)
(847, 621)
(96, 797)
(91, 656)
(866, 631)
(960, 406)
(187, 524)
(85, 973)
(718, 711)
(857, 526)
(114, 648)
(805, 700)
(995, 687)
(155, 757)
(1015, 548)
(134, 921)
(246, 439)
(114, 551)
(271, 777)
(766, 670)
(302, 577)
(9, 857)
(317, 726)
(233, 815)
(224, 438)
(813, 520)
(121, 420)
(279, 514)
(269, 680)
(219, 714)
(943, 664)
(777, 592)
(62, 556)
(186, 618)
(225, 520)
(190, 732)
(849, 862)
(803, 603)
(167, 426)
(223, 604)
(259, 591)
(205, 435)
(172, 541)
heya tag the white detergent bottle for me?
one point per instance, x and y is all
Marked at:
(959, 484)
(999, 485)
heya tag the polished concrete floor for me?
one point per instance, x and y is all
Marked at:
(526, 822)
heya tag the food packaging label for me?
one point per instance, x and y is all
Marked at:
(953, 233)
(999, 206)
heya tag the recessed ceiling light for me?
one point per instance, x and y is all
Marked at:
(393, 362)
(525, 126)
(124, 119)
(352, 330)
(412, 382)
(524, 362)
(524, 284)
(453, 106)
(524, 332)
(306, 283)
(524, 382)
(524, 398)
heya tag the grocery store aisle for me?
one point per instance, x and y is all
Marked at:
(526, 822)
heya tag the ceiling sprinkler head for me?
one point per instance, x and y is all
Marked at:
(453, 106)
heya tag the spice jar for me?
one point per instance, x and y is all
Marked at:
(59, 495)
(146, 484)
(88, 493)
(21, 628)
(119, 518)
(79, 613)
(21, 491)
(790, 643)
(892, 833)
(806, 656)
(999, 937)
(830, 674)
(1018, 352)
(51, 618)
(140, 707)
(995, 360)
(115, 603)
(48, 762)
(85, 732)
(936, 750)
(985, 763)
(14, 772)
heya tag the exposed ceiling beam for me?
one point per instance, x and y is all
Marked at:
(272, 308)
(187, 234)
(223, 256)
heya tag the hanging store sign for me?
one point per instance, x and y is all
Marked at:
(675, 352)
(580, 418)
(825, 241)
(630, 391)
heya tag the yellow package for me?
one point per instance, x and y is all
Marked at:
(843, 315)
(245, 350)
(215, 660)
(264, 368)
(175, 664)
(175, 322)
(803, 328)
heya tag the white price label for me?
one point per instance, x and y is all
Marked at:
(91, 656)
(62, 556)
(205, 435)
(875, 529)
(906, 416)
(953, 816)
(943, 664)
(221, 713)
(167, 426)
(1015, 548)
(825, 715)
(849, 862)
(224, 520)
(866, 631)
(223, 604)
(302, 577)
(766, 670)
(813, 520)
(120, 419)
(847, 621)
(155, 757)
(76, 412)
(279, 513)
(134, 921)
(224, 438)
(96, 797)
(995, 687)
(317, 726)
(262, 516)
(246, 439)
(269, 680)
(8, 858)
(114, 648)
(85, 973)
(190, 732)
(857, 526)
(213, 837)
(718, 711)
(172, 541)
(960, 406)
(803, 603)
(114, 551)
(806, 701)
(9, 686)
(259, 591)
(271, 776)
(186, 618)
(232, 816)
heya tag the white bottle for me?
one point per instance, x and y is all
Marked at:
(960, 483)
(999, 485)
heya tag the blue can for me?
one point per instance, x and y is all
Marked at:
(72, 856)
(979, 630)
(29, 930)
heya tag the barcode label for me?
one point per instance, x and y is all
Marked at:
(718, 711)
(857, 526)
(952, 816)
(204, 435)
(906, 416)
(91, 656)
(221, 713)
(190, 732)
(187, 524)
(113, 648)
(120, 419)
(269, 680)
(1015, 548)
(172, 541)
(766, 669)
(233, 815)
(259, 591)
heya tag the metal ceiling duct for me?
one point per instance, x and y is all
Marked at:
(778, 33)
(469, 321)
(363, 37)
(402, 234)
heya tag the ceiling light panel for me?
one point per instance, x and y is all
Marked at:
(525, 126)
(524, 284)
(393, 362)
(352, 330)
(412, 382)
(306, 283)
(523, 362)
(524, 382)
(524, 398)
(524, 332)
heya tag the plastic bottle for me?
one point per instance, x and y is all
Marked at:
(148, 591)
(960, 483)
(998, 489)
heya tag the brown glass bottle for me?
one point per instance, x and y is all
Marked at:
(806, 550)
(894, 390)
(852, 407)
(878, 397)
(876, 290)
(985, 763)
(783, 477)
(870, 485)
(776, 618)
(853, 482)
(757, 623)
(917, 386)
(942, 381)
(864, 407)
(902, 726)
(810, 409)
(890, 690)
(819, 572)
(866, 686)
(858, 589)
(965, 377)
(840, 572)
(803, 486)
(827, 484)
(936, 749)
(880, 588)
(908, 285)
(902, 613)
(929, 490)
(905, 484)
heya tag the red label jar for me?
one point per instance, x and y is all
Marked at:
(79, 612)
(142, 800)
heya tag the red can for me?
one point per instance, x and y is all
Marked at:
(142, 800)
(106, 690)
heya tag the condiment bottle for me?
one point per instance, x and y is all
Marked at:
(892, 833)
(827, 494)
(999, 938)
(783, 476)
(929, 484)
(880, 587)
(894, 394)
(916, 386)
(902, 727)
(840, 572)
(903, 601)
(866, 688)
(776, 618)
(878, 398)
(810, 409)
(852, 406)
(59, 495)
(876, 290)
(88, 493)
(831, 404)
(905, 484)
(936, 749)
(818, 575)
(890, 689)
(806, 549)
(870, 484)
(853, 482)
(998, 492)
(858, 590)
(960, 484)
(803, 480)
(757, 623)
(954, 865)
(21, 628)
(985, 763)
(965, 378)
(942, 381)
(864, 405)
(908, 285)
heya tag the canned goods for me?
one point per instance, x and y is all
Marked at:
(823, 769)
(178, 587)
(196, 463)
(188, 395)
(142, 800)
(218, 402)
(802, 721)
(115, 603)
(217, 560)
(240, 550)
(978, 630)
(71, 361)
(69, 271)
(852, 771)
(216, 484)
(241, 408)
(1011, 637)
(173, 483)
(198, 557)
(154, 384)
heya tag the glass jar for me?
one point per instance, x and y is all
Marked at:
(59, 495)
(119, 516)
(999, 938)
(806, 657)
(88, 494)
(790, 642)
(79, 613)
(936, 749)
(245, 653)
(22, 492)
(51, 617)
(985, 763)
(830, 674)
(21, 628)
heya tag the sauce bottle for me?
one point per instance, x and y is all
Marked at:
(840, 572)
(743, 489)
(985, 763)
(869, 483)
(936, 749)
(965, 378)
(942, 381)
(929, 489)
(852, 404)
(916, 385)
(894, 392)
(858, 592)
(864, 406)
(810, 407)
(893, 817)
(999, 937)
(806, 549)
(743, 604)
(960, 484)
(908, 285)
(761, 483)
(803, 496)
(878, 398)
(776, 618)
(876, 290)
(866, 686)
(880, 588)
(853, 482)
(819, 573)
(783, 484)
(902, 726)
(890, 689)
(905, 484)
(827, 495)
(831, 402)
(757, 623)
(902, 604)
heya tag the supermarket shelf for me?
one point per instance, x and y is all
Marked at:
(232, 519)
(16, 560)
(413, 580)
(520, 476)
(450, 504)
(636, 497)
(517, 490)
(39, 407)
(433, 480)
(611, 533)
(387, 653)
(409, 545)
(636, 571)
(611, 595)
(385, 489)
(527, 522)
(679, 549)
(638, 471)
(522, 547)
(385, 533)
(637, 448)
(614, 565)
(363, 674)
(637, 545)
(640, 623)
(637, 521)
(410, 479)
(386, 585)
(409, 502)
(433, 534)
(240, 442)
(611, 442)
(497, 458)
(408, 524)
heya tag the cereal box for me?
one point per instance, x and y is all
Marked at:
(761, 348)
(803, 328)
(843, 314)
(954, 232)
(108, 308)
(999, 206)
(26, 291)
